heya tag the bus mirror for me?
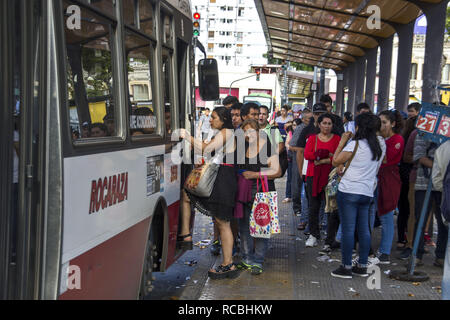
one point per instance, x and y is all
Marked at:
(208, 79)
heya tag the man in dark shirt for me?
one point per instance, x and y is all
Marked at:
(338, 124)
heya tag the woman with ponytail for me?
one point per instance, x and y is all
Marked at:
(389, 182)
(356, 189)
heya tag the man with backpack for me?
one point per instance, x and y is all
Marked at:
(441, 182)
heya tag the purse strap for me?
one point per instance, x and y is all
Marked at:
(264, 184)
(351, 159)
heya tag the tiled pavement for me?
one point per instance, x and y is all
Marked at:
(293, 272)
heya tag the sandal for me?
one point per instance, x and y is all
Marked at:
(223, 272)
(185, 245)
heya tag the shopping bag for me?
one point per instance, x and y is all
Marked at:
(264, 220)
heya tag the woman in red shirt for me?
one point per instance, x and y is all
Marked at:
(389, 183)
(319, 152)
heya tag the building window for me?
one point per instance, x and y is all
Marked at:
(414, 71)
(240, 36)
(211, 34)
(446, 73)
(241, 12)
(229, 20)
(230, 8)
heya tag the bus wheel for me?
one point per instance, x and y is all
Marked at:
(147, 274)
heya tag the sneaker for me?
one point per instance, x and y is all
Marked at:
(325, 250)
(342, 272)
(370, 261)
(215, 248)
(256, 270)
(384, 258)
(287, 200)
(311, 242)
(360, 272)
(406, 253)
(243, 265)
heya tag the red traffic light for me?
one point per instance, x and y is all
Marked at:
(258, 72)
(197, 16)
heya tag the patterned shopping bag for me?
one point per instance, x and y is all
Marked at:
(264, 220)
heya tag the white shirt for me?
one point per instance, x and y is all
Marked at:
(440, 163)
(361, 176)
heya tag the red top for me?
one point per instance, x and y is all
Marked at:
(394, 150)
(310, 148)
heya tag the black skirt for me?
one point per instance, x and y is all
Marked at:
(221, 203)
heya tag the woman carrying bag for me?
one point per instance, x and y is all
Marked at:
(260, 160)
(319, 152)
(220, 204)
(356, 190)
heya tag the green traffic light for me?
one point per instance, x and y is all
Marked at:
(196, 33)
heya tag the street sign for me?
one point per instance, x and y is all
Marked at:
(434, 122)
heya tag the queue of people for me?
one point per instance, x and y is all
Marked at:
(382, 162)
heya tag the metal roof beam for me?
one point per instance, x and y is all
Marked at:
(299, 51)
(375, 38)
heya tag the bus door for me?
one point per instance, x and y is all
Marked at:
(21, 126)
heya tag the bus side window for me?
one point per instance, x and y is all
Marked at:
(90, 80)
(143, 113)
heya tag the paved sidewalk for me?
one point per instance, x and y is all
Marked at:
(293, 272)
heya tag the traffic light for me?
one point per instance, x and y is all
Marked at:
(258, 75)
(196, 24)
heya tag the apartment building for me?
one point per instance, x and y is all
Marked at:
(231, 32)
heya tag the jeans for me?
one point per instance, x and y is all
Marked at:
(253, 250)
(288, 180)
(446, 278)
(387, 232)
(442, 230)
(296, 187)
(354, 215)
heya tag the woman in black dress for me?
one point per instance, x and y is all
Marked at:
(220, 204)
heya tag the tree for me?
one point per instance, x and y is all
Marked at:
(298, 66)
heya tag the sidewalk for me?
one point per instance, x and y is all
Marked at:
(293, 272)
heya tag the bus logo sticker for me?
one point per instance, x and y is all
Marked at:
(108, 191)
(155, 175)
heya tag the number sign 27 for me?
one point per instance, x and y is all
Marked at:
(427, 123)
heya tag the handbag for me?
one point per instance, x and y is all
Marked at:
(200, 181)
(332, 187)
(264, 221)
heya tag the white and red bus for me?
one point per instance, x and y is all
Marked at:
(90, 92)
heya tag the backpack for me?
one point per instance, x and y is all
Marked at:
(445, 209)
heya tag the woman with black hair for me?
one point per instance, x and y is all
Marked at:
(362, 156)
(389, 182)
(319, 152)
(220, 205)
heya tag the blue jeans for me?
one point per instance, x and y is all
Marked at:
(253, 250)
(305, 211)
(296, 187)
(387, 232)
(446, 277)
(354, 215)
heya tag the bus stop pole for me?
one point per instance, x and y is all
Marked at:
(412, 259)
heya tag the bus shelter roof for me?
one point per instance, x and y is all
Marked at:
(331, 33)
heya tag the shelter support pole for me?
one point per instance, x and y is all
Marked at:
(405, 36)
(340, 94)
(371, 75)
(385, 73)
(351, 87)
(360, 81)
(436, 14)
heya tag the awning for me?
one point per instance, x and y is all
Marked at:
(330, 33)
